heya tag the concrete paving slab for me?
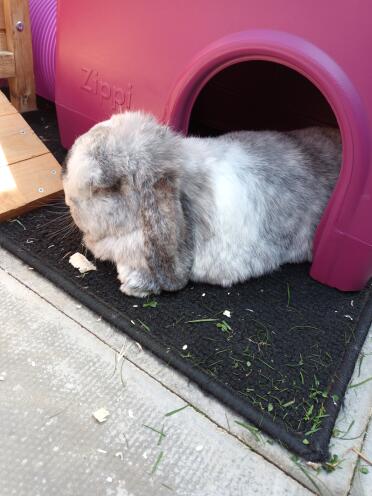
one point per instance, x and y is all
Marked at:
(55, 374)
(356, 410)
(362, 482)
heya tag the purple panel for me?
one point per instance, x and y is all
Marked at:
(43, 15)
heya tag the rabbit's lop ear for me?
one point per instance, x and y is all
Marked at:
(166, 233)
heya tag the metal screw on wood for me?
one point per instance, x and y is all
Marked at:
(53, 171)
(41, 190)
(20, 26)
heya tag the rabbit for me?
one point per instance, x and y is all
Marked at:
(167, 209)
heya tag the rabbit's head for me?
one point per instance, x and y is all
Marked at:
(122, 185)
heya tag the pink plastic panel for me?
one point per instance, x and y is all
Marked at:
(43, 15)
(158, 57)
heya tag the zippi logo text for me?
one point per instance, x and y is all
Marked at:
(118, 98)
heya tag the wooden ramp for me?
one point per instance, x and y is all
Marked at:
(29, 174)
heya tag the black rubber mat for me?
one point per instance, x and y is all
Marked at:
(279, 350)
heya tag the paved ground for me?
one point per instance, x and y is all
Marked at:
(57, 367)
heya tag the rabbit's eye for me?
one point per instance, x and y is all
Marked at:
(116, 187)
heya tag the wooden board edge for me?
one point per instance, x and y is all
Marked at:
(11, 214)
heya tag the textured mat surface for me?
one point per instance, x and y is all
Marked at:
(281, 355)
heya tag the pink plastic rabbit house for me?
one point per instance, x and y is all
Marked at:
(212, 66)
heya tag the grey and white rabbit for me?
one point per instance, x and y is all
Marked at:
(167, 209)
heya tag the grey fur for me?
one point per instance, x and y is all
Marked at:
(167, 209)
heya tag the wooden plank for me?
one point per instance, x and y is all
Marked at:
(26, 185)
(3, 43)
(7, 64)
(2, 20)
(17, 140)
(5, 106)
(22, 87)
(28, 171)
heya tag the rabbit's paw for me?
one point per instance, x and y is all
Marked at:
(137, 283)
(134, 291)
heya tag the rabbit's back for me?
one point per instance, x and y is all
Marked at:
(270, 190)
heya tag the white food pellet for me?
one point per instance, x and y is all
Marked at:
(101, 415)
(227, 313)
(184, 347)
(80, 262)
